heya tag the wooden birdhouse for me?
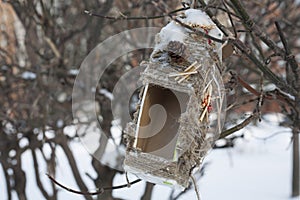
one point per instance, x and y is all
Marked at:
(180, 112)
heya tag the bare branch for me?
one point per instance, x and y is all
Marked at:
(251, 26)
(87, 193)
(230, 18)
(53, 47)
(238, 127)
(148, 191)
(73, 164)
(7, 180)
(123, 17)
(37, 175)
(289, 57)
(226, 32)
(267, 72)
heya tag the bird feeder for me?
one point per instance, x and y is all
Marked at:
(179, 115)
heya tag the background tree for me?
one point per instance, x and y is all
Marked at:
(42, 44)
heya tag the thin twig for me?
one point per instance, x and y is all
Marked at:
(230, 18)
(237, 105)
(219, 8)
(267, 72)
(270, 136)
(226, 32)
(282, 38)
(270, 95)
(98, 190)
(247, 86)
(53, 47)
(260, 99)
(123, 17)
(251, 26)
(290, 58)
(73, 165)
(37, 175)
(269, 58)
(196, 188)
(203, 34)
(127, 179)
(238, 127)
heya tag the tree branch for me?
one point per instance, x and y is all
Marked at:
(238, 127)
(266, 71)
(226, 32)
(37, 176)
(148, 191)
(123, 17)
(98, 190)
(251, 26)
(289, 57)
(73, 164)
(7, 179)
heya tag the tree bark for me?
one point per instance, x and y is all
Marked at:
(64, 145)
(295, 176)
(148, 191)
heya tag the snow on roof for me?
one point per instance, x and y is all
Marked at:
(171, 32)
(175, 32)
(199, 17)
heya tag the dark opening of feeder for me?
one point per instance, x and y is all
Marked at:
(158, 121)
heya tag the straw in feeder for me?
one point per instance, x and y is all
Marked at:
(180, 112)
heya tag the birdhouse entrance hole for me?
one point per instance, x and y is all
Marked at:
(158, 120)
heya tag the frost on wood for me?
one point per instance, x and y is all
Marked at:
(180, 112)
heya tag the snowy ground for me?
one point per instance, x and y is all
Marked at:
(255, 169)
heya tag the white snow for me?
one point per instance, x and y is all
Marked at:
(3, 184)
(175, 32)
(73, 72)
(60, 123)
(171, 32)
(12, 153)
(62, 97)
(23, 142)
(106, 93)
(27, 75)
(195, 16)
